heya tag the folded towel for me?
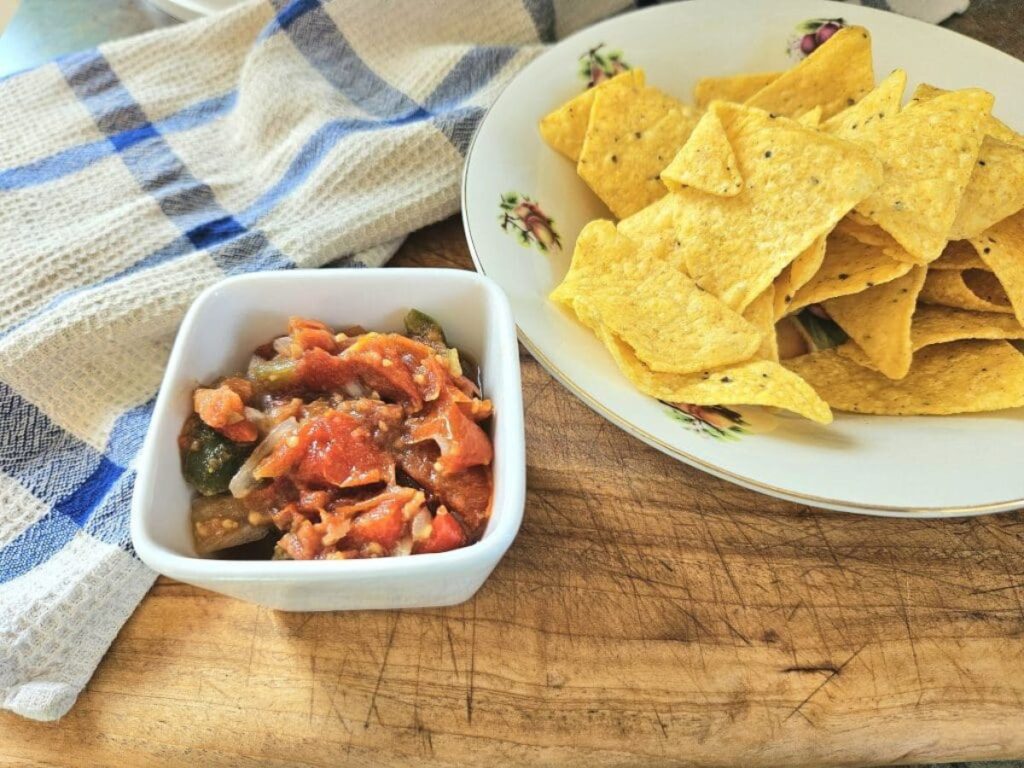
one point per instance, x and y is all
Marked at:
(132, 176)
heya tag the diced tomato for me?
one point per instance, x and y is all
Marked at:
(462, 442)
(321, 371)
(241, 387)
(224, 410)
(468, 492)
(384, 518)
(340, 451)
(311, 334)
(335, 449)
(218, 407)
(445, 534)
(240, 432)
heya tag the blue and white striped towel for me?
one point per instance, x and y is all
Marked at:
(279, 134)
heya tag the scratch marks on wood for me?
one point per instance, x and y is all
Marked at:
(471, 688)
(380, 673)
(836, 672)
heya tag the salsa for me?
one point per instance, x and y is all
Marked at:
(342, 444)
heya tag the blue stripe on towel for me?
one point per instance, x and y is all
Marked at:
(74, 159)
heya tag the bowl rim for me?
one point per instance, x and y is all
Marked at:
(512, 466)
(607, 412)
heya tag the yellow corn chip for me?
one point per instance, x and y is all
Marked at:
(632, 135)
(934, 324)
(929, 150)
(961, 377)
(653, 231)
(811, 118)
(859, 228)
(993, 126)
(1001, 247)
(758, 382)
(850, 266)
(996, 187)
(798, 274)
(937, 325)
(880, 104)
(835, 76)
(1000, 131)
(968, 289)
(797, 184)
(736, 88)
(599, 251)
(879, 321)
(673, 325)
(761, 314)
(706, 161)
(995, 191)
(958, 255)
(564, 129)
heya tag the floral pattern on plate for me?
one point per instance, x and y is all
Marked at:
(810, 34)
(520, 215)
(717, 421)
(597, 65)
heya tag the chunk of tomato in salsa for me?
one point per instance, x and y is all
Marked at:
(337, 449)
(462, 442)
(445, 534)
(393, 366)
(311, 334)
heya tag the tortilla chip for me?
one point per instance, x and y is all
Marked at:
(850, 266)
(996, 187)
(672, 325)
(835, 76)
(878, 320)
(795, 276)
(810, 118)
(1000, 131)
(939, 325)
(632, 135)
(564, 129)
(797, 184)
(995, 191)
(599, 251)
(761, 314)
(737, 88)
(1002, 248)
(859, 228)
(961, 377)
(929, 151)
(993, 127)
(959, 255)
(966, 289)
(706, 161)
(758, 382)
(880, 104)
(652, 229)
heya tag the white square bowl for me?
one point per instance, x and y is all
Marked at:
(217, 337)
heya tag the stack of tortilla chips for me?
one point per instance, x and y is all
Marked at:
(787, 203)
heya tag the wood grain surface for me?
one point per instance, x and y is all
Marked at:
(648, 614)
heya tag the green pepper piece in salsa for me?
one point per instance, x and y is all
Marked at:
(423, 328)
(274, 375)
(208, 459)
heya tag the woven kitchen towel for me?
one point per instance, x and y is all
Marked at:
(279, 134)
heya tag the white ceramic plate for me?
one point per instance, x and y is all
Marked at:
(921, 466)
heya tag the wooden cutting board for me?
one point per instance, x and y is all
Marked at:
(648, 614)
